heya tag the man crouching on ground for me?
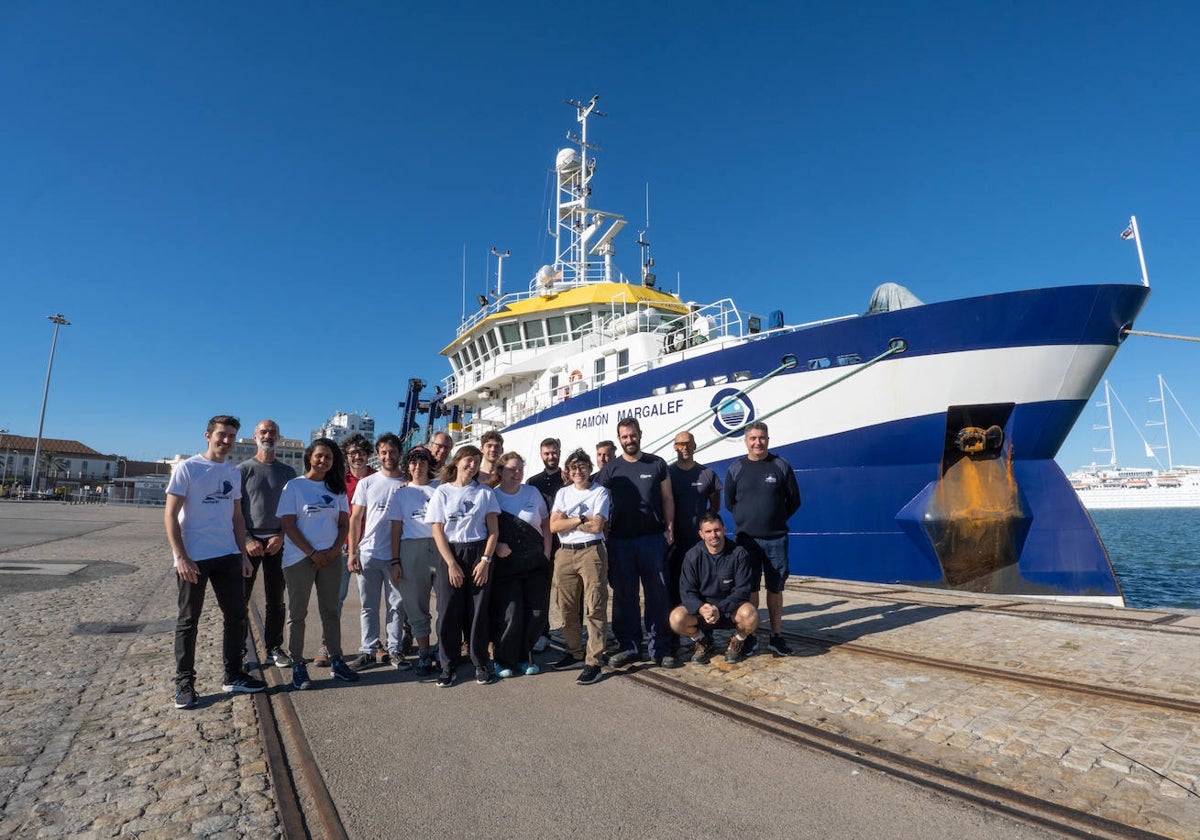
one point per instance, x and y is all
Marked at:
(715, 589)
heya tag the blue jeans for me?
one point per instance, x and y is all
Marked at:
(374, 581)
(634, 560)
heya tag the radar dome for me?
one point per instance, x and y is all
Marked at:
(567, 160)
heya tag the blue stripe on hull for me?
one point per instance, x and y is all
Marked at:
(848, 526)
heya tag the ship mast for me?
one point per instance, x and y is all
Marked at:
(1166, 430)
(577, 222)
(1112, 443)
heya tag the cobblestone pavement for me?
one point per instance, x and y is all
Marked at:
(1072, 749)
(90, 742)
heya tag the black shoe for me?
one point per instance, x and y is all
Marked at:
(400, 661)
(622, 658)
(342, 671)
(589, 675)
(185, 697)
(779, 647)
(243, 684)
(362, 661)
(668, 662)
(425, 665)
(300, 680)
(702, 652)
(565, 663)
(445, 679)
(408, 645)
(484, 675)
(750, 647)
(279, 658)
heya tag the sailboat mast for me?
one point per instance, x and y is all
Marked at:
(1166, 429)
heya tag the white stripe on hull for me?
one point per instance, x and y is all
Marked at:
(896, 389)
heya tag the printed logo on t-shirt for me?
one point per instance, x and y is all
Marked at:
(380, 505)
(418, 515)
(771, 479)
(325, 504)
(646, 475)
(464, 510)
(221, 496)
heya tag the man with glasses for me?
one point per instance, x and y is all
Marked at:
(439, 446)
(697, 492)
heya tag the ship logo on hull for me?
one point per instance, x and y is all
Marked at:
(732, 410)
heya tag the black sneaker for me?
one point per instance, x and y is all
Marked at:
(185, 697)
(408, 645)
(484, 675)
(445, 679)
(565, 663)
(242, 683)
(342, 671)
(779, 647)
(300, 680)
(668, 662)
(736, 651)
(400, 662)
(425, 665)
(281, 659)
(588, 675)
(750, 647)
(702, 652)
(622, 658)
(362, 661)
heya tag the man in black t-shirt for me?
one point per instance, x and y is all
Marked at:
(642, 516)
(548, 482)
(697, 491)
(761, 493)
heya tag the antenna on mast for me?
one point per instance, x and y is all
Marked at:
(500, 258)
(464, 284)
(648, 276)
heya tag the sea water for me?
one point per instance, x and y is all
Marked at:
(1155, 553)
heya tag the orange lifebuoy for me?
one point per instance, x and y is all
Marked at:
(576, 376)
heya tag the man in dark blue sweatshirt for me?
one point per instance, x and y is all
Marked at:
(761, 493)
(715, 589)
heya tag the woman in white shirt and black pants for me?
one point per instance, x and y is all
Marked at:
(464, 516)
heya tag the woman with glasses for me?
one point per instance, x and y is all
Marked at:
(315, 515)
(356, 449)
(579, 516)
(463, 514)
(521, 577)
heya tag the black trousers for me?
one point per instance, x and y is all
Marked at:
(274, 593)
(519, 610)
(225, 575)
(462, 610)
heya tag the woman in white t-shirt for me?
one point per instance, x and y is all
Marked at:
(579, 516)
(316, 518)
(521, 571)
(415, 556)
(463, 514)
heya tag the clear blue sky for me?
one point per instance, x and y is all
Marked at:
(261, 208)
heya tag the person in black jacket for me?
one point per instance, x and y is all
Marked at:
(715, 588)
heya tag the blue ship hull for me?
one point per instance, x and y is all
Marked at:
(887, 496)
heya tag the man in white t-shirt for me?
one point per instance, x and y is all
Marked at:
(370, 554)
(207, 534)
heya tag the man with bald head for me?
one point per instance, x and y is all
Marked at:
(697, 492)
(262, 482)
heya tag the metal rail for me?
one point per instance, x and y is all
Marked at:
(314, 813)
(985, 795)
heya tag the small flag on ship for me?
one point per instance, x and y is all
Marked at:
(1128, 232)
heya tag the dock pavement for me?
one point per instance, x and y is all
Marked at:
(984, 687)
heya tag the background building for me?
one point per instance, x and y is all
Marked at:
(341, 425)
(65, 463)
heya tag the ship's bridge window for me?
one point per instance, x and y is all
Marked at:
(558, 328)
(474, 354)
(535, 335)
(482, 348)
(493, 345)
(579, 322)
(622, 362)
(455, 362)
(598, 370)
(510, 335)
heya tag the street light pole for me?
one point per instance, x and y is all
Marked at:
(58, 321)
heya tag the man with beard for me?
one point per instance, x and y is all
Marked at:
(262, 482)
(643, 521)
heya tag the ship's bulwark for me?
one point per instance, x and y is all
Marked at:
(871, 451)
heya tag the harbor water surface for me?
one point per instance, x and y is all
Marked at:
(1156, 555)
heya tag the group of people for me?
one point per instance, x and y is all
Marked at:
(467, 528)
